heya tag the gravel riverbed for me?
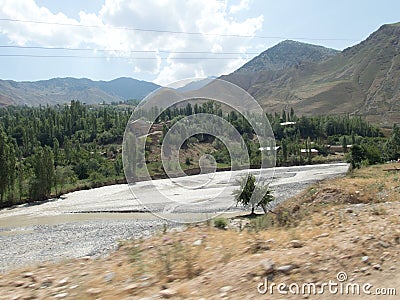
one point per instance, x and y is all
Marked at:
(92, 222)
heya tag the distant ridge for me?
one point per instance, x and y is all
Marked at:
(63, 90)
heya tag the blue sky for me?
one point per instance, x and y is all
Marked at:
(103, 28)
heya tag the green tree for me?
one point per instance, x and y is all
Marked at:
(308, 150)
(11, 163)
(393, 144)
(357, 155)
(292, 115)
(344, 144)
(63, 175)
(4, 176)
(44, 177)
(244, 195)
(21, 174)
(56, 151)
(283, 117)
(284, 150)
(372, 153)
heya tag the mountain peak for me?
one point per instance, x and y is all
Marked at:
(285, 55)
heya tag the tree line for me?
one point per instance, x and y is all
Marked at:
(42, 149)
(47, 150)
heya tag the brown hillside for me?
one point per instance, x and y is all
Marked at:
(363, 79)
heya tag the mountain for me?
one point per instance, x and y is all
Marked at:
(127, 88)
(285, 55)
(63, 90)
(363, 80)
(196, 84)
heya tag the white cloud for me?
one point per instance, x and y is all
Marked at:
(242, 5)
(212, 18)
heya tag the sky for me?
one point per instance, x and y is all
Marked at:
(168, 40)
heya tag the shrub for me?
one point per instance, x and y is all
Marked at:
(220, 223)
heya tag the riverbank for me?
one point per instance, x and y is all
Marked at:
(81, 185)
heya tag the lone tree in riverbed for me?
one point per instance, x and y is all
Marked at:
(244, 195)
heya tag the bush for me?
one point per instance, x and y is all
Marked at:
(357, 155)
(220, 223)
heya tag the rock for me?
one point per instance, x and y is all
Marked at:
(109, 277)
(286, 269)
(18, 283)
(325, 234)
(385, 256)
(369, 237)
(170, 278)
(48, 281)
(197, 243)
(364, 269)
(27, 275)
(377, 267)
(296, 244)
(383, 244)
(72, 287)
(168, 293)
(349, 210)
(146, 284)
(364, 259)
(61, 295)
(268, 266)
(130, 288)
(94, 291)
(225, 289)
(63, 281)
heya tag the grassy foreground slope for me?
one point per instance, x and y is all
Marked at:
(349, 224)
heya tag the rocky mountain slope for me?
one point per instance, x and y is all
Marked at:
(286, 54)
(63, 90)
(363, 79)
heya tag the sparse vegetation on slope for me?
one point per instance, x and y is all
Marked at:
(362, 80)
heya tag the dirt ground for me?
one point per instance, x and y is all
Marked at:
(340, 239)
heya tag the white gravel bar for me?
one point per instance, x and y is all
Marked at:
(91, 222)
